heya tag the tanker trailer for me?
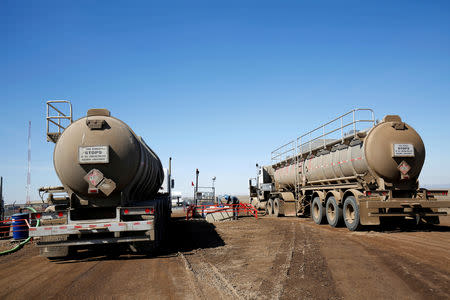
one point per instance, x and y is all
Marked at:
(115, 185)
(357, 177)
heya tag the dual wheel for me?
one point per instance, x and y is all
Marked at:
(274, 207)
(335, 214)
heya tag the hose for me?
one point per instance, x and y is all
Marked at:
(20, 245)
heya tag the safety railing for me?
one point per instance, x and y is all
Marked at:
(10, 226)
(57, 119)
(326, 134)
(237, 209)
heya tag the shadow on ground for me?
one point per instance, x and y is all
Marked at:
(183, 236)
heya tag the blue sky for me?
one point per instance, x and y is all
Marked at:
(217, 85)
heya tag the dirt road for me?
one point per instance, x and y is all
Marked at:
(285, 258)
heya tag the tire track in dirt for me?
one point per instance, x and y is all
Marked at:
(193, 280)
(205, 273)
(279, 285)
(420, 277)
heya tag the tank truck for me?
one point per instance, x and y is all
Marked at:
(353, 170)
(114, 189)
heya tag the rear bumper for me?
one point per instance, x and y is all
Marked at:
(90, 229)
(371, 209)
(100, 241)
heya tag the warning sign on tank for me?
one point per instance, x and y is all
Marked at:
(403, 150)
(93, 155)
(404, 168)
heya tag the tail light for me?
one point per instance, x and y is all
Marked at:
(38, 216)
(60, 214)
(126, 211)
(147, 210)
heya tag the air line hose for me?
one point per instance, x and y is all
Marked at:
(20, 245)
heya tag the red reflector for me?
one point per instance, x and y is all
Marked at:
(60, 214)
(147, 210)
(38, 216)
(126, 211)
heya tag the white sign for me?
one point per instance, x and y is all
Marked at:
(403, 150)
(93, 155)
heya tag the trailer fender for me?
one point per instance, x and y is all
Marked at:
(321, 196)
(354, 193)
(364, 211)
(287, 196)
(337, 196)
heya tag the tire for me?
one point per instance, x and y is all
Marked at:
(333, 212)
(317, 211)
(351, 214)
(269, 207)
(276, 207)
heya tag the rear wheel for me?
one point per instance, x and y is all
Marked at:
(276, 207)
(334, 212)
(269, 207)
(351, 214)
(317, 211)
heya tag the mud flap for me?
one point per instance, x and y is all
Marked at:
(287, 206)
(54, 251)
(364, 211)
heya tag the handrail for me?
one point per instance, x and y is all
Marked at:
(56, 119)
(296, 146)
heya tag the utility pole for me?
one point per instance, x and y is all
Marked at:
(2, 203)
(214, 189)
(196, 185)
(29, 164)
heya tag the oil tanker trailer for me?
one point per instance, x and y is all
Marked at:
(114, 187)
(341, 174)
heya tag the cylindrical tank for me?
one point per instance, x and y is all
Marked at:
(101, 160)
(19, 226)
(374, 154)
